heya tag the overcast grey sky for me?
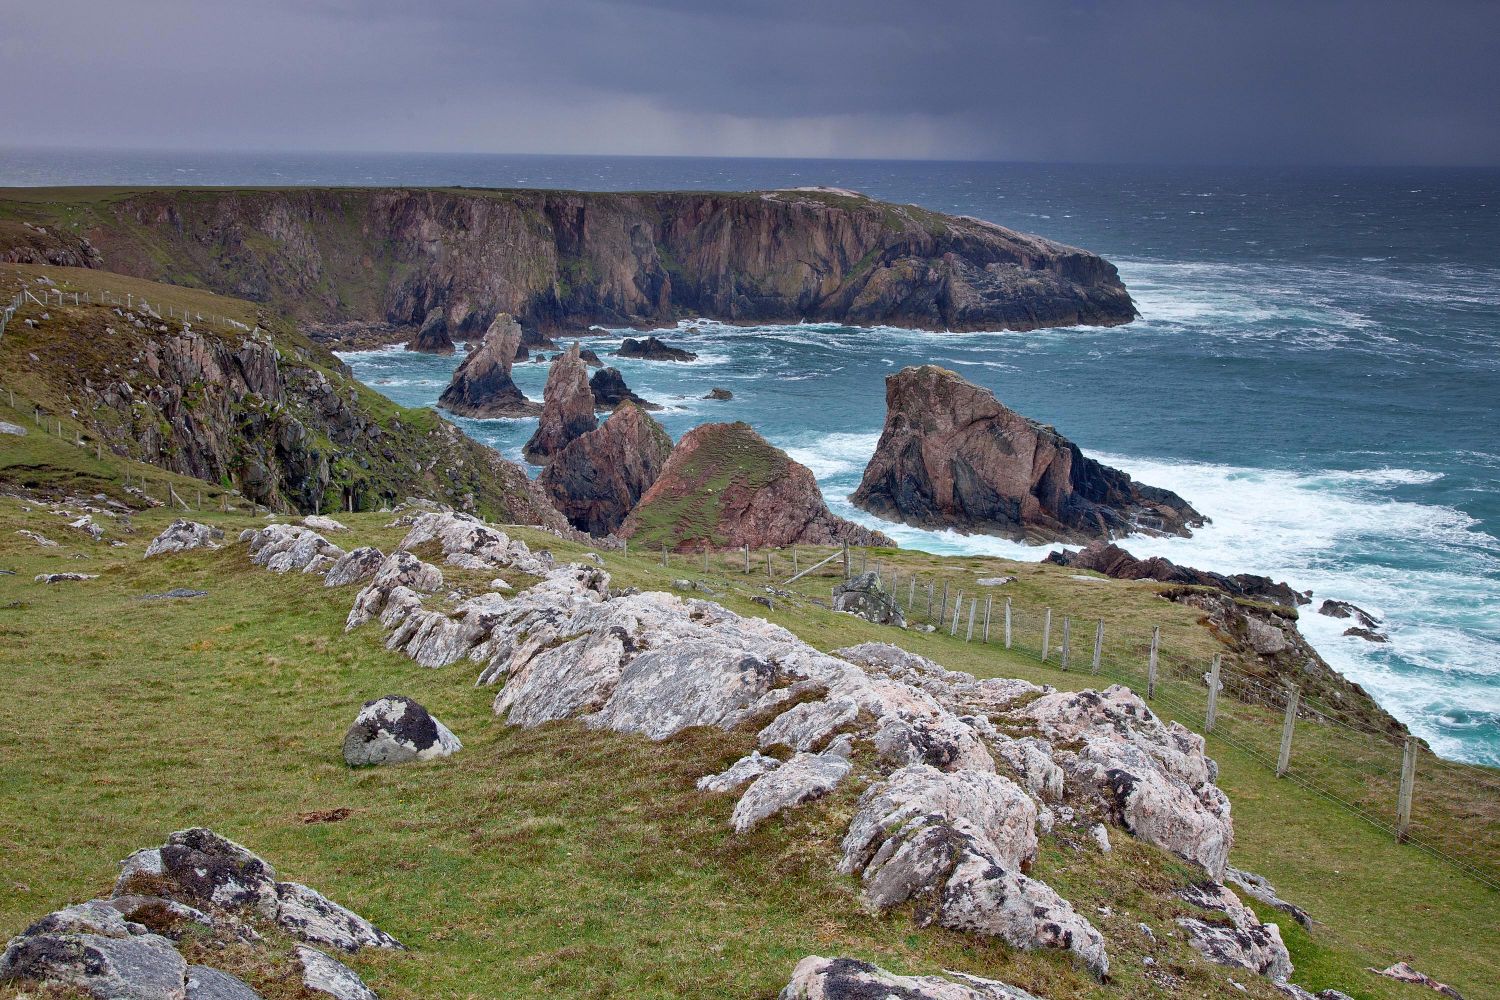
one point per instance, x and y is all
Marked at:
(1101, 80)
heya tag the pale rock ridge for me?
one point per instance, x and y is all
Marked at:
(182, 535)
(818, 978)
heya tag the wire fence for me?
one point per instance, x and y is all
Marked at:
(1447, 809)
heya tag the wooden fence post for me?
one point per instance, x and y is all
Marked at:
(705, 558)
(1403, 799)
(1151, 668)
(747, 559)
(795, 570)
(911, 593)
(943, 611)
(958, 605)
(989, 604)
(929, 601)
(1212, 715)
(663, 555)
(973, 603)
(1098, 644)
(1007, 623)
(1284, 759)
(846, 560)
(1067, 639)
(1046, 635)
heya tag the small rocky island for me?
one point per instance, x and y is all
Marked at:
(953, 456)
(653, 349)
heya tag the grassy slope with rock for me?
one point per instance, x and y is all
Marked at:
(562, 860)
(274, 415)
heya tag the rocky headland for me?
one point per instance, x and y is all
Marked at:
(561, 261)
(482, 386)
(725, 486)
(1113, 561)
(952, 456)
(598, 477)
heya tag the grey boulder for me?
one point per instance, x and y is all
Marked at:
(204, 983)
(818, 978)
(324, 974)
(92, 947)
(866, 596)
(802, 779)
(395, 729)
(353, 566)
(182, 535)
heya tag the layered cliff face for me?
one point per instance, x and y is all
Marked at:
(567, 407)
(263, 410)
(598, 477)
(482, 386)
(952, 456)
(725, 486)
(560, 260)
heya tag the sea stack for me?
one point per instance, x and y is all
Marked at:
(952, 456)
(433, 337)
(610, 390)
(725, 486)
(597, 478)
(482, 386)
(567, 408)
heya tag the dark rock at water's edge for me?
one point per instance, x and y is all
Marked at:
(952, 456)
(1366, 626)
(1113, 561)
(610, 390)
(597, 478)
(725, 486)
(590, 358)
(719, 394)
(433, 337)
(652, 349)
(575, 259)
(482, 385)
(567, 408)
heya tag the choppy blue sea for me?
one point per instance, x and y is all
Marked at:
(1316, 367)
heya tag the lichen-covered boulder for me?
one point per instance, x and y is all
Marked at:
(109, 959)
(314, 917)
(818, 978)
(866, 596)
(1154, 778)
(324, 974)
(807, 776)
(394, 590)
(284, 548)
(1243, 941)
(469, 543)
(745, 769)
(182, 535)
(394, 730)
(205, 983)
(200, 868)
(353, 566)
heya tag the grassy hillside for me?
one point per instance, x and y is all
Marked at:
(563, 861)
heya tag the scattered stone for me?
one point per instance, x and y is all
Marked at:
(994, 581)
(818, 978)
(1100, 833)
(321, 522)
(395, 729)
(354, 566)
(9, 428)
(653, 349)
(64, 577)
(1343, 609)
(866, 596)
(1403, 973)
(324, 974)
(39, 539)
(182, 535)
(1256, 887)
(176, 593)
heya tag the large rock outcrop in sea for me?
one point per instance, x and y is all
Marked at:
(482, 386)
(567, 408)
(433, 337)
(599, 477)
(610, 390)
(561, 261)
(725, 486)
(952, 456)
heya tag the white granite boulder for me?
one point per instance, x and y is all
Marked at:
(182, 535)
(395, 729)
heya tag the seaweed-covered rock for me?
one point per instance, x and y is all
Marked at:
(395, 729)
(653, 349)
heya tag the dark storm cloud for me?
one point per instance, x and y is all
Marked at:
(1103, 80)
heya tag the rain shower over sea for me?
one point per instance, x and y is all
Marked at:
(1316, 368)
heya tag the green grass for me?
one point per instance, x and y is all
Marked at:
(562, 860)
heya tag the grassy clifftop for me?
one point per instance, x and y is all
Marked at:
(570, 862)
